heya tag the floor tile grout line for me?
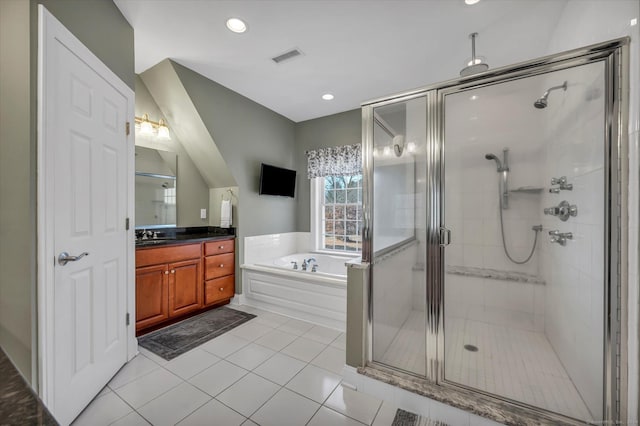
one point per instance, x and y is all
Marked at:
(133, 410)
(377, 412)
(196, 409)
(158, 396)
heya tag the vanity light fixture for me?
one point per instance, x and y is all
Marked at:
(236, 25)
(471, 2)
(327, 97)
(147, 127)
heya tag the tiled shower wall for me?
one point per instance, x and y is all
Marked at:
(583, 23)
(574, 273)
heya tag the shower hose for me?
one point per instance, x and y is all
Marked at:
(504, 242)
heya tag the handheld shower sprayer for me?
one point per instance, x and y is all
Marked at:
(503, 196)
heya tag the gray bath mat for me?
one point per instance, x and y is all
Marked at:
(406, 418)
(176, 339)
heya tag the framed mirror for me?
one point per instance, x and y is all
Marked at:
(156, 183)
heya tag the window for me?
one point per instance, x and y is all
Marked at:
(338, 200)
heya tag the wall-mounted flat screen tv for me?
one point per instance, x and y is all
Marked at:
(277, 181)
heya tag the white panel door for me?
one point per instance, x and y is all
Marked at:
(85, 146)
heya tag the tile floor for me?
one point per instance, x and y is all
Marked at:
(512, 362)
(272, 370)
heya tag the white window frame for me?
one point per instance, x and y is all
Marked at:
(316, 218)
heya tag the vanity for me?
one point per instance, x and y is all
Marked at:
(182, 272)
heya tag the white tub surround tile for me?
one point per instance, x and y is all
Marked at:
(264, 247)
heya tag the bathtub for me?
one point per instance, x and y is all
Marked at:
(319, 297)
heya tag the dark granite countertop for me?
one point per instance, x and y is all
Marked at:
(174, 236)
(18, 404)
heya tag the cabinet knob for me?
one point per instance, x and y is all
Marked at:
(173, 271)
(166, 272)
(221, 265)
(221, 288)
(221, 247)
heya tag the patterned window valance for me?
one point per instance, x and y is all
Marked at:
(334, 161)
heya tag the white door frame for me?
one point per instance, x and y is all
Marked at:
(50, 29)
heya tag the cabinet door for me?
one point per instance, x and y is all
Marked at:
(152, 294)
(185, 287)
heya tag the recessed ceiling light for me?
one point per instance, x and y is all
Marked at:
(236, 25)
(474, 97)
(634, 22)
(327, 97)
(471, 2)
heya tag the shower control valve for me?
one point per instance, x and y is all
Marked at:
(560, 237)
(563, 185)
(563, 211)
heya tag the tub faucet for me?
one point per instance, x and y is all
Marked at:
(315, 268)
(295, 264)
(307, 262)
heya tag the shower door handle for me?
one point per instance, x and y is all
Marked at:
(445, 235)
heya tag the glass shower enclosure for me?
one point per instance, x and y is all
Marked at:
(491, 231)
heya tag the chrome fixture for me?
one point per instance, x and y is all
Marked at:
(476, 65)
(307, 262)
(314, 268)
(541, 102)
(563, 211)
(295, 264)
(64, 257)
(563, 185)
(503, 168)
(560, 237)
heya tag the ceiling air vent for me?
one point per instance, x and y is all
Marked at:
(286, 56)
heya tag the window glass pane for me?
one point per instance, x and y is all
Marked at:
(342, 224)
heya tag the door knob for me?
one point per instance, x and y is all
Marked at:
(65, 257)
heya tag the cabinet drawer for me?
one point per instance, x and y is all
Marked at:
(219, 266)
(156, 256)
(219, 289)
(218, 247)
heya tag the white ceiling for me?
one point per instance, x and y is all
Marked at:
(355, 49)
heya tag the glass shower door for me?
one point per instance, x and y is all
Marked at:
(398, 240)
(524, 275)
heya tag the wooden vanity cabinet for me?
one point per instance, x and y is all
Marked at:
(177, 280)
(219, 271)
(152, 296)
(168, 283)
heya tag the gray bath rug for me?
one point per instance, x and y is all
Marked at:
(406, 418)
(178, 338)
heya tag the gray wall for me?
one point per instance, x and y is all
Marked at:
(246, 134)
(17, 186)
(334, 130)
(103, 29)
(192, 191)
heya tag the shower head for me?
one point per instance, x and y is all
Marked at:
(541, 102)
(496, 159)
(476, 65)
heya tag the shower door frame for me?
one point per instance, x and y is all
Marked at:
(614, 54)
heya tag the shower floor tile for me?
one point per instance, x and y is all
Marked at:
(514, 363)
